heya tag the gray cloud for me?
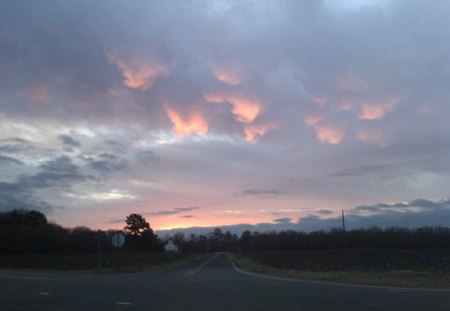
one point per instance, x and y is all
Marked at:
(282, 220)
(257, 191)
(59, 172)
(359, 170)
(366, 114)
(69, 140)
(14, 145)
(421, 203)
(9, 160)
(324, 211)
(176, 210)
(106, 162)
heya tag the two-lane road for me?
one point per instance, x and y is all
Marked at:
(208, 283)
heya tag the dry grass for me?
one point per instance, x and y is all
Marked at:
(400, 278)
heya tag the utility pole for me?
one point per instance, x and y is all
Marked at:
(343, 220)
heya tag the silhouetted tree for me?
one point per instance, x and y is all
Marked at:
(139, 235)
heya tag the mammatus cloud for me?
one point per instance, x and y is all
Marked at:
(138, 73)
(376, 110)
(229, 74)
(191, 123)
(253, 131)
(325, 133)
(244, 109)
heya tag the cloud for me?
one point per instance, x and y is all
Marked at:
(58, 172)
(106, 162)
(69, 140)
(9, 160)
(138, 73)
(282, 220)
(231, 75)
(359, 170)
(257, 191)
(420, 203)
(324, 211)
(176, 210)
(376, 110)
(244, 109)
(192, 123)
(253, 132)
(14, 145)
(186, 216)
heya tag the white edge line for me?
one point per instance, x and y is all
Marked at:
(391, 288)
(123, 303)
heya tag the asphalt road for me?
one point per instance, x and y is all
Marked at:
(207, 283)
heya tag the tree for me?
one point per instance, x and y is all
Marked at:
(139, 235)
(136, 225)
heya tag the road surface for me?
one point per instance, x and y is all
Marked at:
(208, 283)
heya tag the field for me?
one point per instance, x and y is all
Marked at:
(410, 268)
(89, 262)
(373, 260)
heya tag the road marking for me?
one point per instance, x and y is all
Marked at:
(123, 303)
(44, 293)
(390, 288)
(200, 267)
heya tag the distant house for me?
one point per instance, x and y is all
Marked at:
(170, 247)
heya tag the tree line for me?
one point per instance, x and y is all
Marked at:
(29, 232)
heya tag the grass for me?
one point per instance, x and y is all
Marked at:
(88, 263)
(397, 278)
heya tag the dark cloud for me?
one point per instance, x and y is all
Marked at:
(106, 162)
(14, 145)
(421, 203)
(69, 140)
(59, 172)
(324, 211)
(176, 210)
(257, 191)
(9, 160)
(15, 196)
(359, 170)
(282, 220)
(194, 81)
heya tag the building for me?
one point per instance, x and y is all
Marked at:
(170, 247)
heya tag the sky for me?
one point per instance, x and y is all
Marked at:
(259, 115)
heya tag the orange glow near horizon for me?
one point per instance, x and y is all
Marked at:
(194, 123)
(138, 73)
(244, 109)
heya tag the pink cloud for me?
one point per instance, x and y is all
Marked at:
(183, 125)
(376, 110)
(244, 109)
(230, 74)
(138, 73)
(253, 132)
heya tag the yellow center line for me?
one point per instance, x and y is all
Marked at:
(200, 267)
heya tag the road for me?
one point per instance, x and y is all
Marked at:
(208, 283)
